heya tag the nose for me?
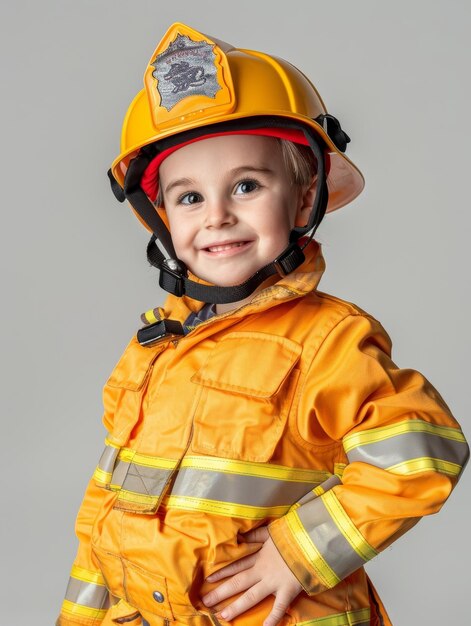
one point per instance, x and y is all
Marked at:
(218, 213)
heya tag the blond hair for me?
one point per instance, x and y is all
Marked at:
(299, 161)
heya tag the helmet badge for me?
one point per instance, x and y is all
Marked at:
(185, 68)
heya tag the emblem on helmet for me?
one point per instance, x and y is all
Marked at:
(185, 68)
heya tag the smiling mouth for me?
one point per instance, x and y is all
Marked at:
(226, 246)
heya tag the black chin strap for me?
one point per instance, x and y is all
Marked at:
(173, 276)
(173, 273)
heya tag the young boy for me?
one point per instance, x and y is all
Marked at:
(262, 445)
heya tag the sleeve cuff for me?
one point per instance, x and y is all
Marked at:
(320, 543)
(287, 545)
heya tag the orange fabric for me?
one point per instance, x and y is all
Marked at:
(280, 382)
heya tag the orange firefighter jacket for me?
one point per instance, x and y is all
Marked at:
(287, 411)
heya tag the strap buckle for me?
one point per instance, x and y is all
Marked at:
(289, 259)
(158, 331)
(171, 277)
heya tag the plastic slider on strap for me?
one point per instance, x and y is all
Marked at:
(171, 277)
(289, 259)
(160, 330)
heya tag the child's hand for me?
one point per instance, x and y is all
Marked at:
(259, 575)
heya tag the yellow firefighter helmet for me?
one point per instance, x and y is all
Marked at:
(196, 86)
(194, 81)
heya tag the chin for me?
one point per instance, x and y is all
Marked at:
(224, 279)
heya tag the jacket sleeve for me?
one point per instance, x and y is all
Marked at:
(87, 598)
(404, 453)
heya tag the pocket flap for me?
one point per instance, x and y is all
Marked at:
(124, 613)
(146, 591)
(249, 363)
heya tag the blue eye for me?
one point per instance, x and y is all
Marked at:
(190, 198)
(246, 186)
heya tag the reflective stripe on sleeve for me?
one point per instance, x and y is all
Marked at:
(82, 611)
(360, 617)
(86, 595)
(319, 490)
(328, 539)
(104, 469)
(409, 447)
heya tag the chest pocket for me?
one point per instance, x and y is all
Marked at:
(123, 392)
(118, 470)
(247, 386)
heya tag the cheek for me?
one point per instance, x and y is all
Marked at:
(181, 236)
(279, 223)
(175, 232)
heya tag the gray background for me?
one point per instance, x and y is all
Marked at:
(75, 277)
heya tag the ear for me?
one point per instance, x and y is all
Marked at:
(307, 195)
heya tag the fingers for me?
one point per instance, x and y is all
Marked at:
(253, 596)
(255, 577)
(232, 569)
(231, 587)
(282, 601)
(250, 598)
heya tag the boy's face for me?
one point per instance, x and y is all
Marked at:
(231, 205)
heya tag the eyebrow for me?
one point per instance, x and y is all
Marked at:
(237, 171)
(179, 182)
(251, 168)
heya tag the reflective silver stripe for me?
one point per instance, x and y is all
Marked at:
(140, 479)
(245, 490)
(87, 594)
(320, 489)
(106, 463)
(119, 474)
(343, 619)
(401, 448)
(328, 540)
(211, 483)
(359, 617)
(108, 458)
(149, 481)
(236, 488)
(329, 483)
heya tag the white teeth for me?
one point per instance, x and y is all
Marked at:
(226, 246)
